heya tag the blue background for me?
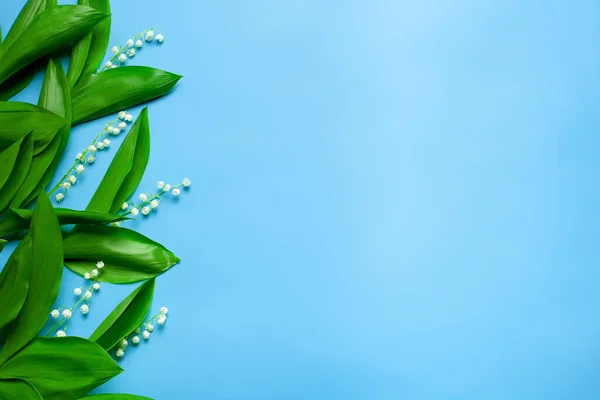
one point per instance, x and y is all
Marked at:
(390, 199)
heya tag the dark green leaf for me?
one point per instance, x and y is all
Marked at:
(8, 158)
(2, 244)
(117, 89)
(44, 283)
(30, 10)
(62, 368)
(19, 81)
(93, 46)
(125, 170)
(14, 282)
(55, 97)
(127, 316)
(18, 173)
(18, 389)
(17, 119)
(16, 220)
(50, 31)
(128, 256)
(115, 397)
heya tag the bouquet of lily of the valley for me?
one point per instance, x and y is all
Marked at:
(48, 363)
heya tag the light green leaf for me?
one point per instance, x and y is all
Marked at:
(17, 119)
(8, 158)
(44, 283)
(16, 220)
(128, 315)
(128, 256)
(30, 10)
(18, 389)
(117, 89)
(55, 97)
(14, 282)
(62, 368)
(125, 170)
(16, 83)
(50, 31)
(115, 397)
(78, 59)
(18, 173)
(93, 46)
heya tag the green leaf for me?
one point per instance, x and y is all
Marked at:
(2, 244)
(16, 220)
(18, 389)
(17, 119)
(62, 368)
(29, 12)
(14, 282)
(44, 283)
(117, 89)
(55, 97)
(127, 316)
(50, 31)
(8, 158)
(115, 397)
(16, 83)
(78, 59)
(89, 52)
(128, 256)
(19, 81)
(126, 169)
(19, 171)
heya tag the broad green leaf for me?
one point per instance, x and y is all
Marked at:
(115, 397)
(14, 282)
(55, 97)
(117, 89)
(2, 244)
(44, 283)
(128, 256)
(8, 158)
(125, 170)
(16, 220)
(18, 389)
(51, 30)
(128, 315)
(29, 12)
(62, 368)
(18, 173)
(89, 52)
(17, 119)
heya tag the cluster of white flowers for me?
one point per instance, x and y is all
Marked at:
(150, 201)
(88, 155)
(84, 294)
(148, 328)
(133, 45)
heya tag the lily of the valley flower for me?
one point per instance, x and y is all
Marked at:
(88, 155)
(84, 294)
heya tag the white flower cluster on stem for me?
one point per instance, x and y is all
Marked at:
(88, 155)
(84, 294)
(145, 330)
(120, 53)
(150, 201)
